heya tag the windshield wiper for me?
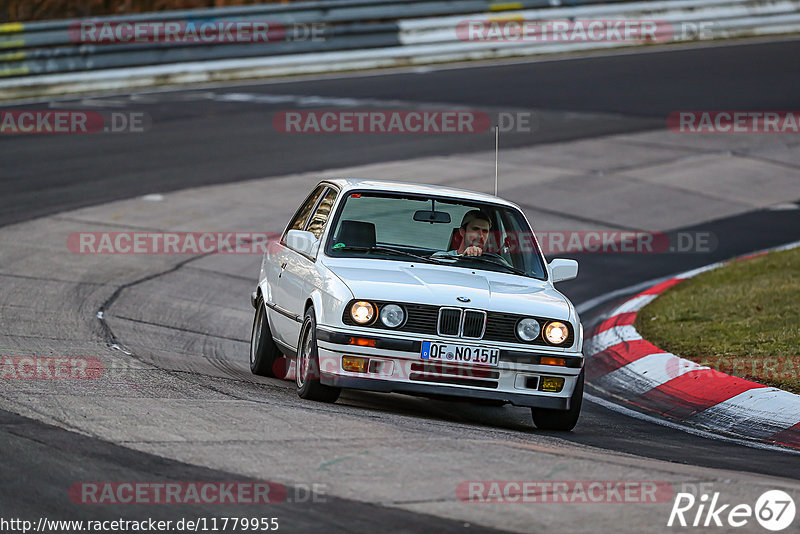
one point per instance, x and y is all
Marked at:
(485, 259)
(393, 251)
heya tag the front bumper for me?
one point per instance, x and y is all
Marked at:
(399, 368)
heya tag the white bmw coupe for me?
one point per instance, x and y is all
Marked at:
(418, 289)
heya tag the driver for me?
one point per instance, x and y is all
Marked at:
(474, 232)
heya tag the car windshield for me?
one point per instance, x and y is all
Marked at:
(405, 227)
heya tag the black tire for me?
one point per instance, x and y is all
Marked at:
(548, 419)
(307, 371)
(264, 353)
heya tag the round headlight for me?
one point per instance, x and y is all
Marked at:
(528, 329)
(362, 312)
(556, 332)
(392, 315)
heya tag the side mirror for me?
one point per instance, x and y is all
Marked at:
(302, 242)
(562, 269)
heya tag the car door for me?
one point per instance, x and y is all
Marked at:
(300, 273)
(278, 292)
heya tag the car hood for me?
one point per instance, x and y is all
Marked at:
(442, 285)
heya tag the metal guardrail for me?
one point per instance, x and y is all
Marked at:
(679, 20)
(41, 59)
(48, 47)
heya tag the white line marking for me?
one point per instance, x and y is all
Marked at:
(695, 272)
(689, 430)
(333, 101)
(635, 304)
(784, 207)
(117, 347)
(597, 301)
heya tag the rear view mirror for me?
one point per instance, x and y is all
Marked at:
(563, 269)
(428, 216)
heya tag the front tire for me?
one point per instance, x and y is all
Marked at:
(264, 353)
(307, 373)
(548, 419)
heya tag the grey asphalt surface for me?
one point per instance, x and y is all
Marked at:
(202, 140)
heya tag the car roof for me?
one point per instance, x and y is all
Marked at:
(347, 184)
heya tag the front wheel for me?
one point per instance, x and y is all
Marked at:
(549, 419)
(307, 374)
(264, 353)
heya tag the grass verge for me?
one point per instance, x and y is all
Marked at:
(742, 319)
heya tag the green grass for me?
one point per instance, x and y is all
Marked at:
(742, 319)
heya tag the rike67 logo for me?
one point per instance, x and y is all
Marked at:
(774, 510)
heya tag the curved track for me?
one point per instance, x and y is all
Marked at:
(185, 392)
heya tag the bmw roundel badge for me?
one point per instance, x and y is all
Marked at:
(462, 299)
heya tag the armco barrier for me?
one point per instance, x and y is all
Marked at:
(48, 47)
(43, 58)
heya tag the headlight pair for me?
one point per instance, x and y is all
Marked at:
(391, 315)
(555, 332)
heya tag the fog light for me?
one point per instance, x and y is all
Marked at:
(547, 360)
(355, 364)
(552, 384)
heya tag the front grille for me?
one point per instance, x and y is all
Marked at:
(420, 319)
(501, 327)
(449, 321)
(474, 324)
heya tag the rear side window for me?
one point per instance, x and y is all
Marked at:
(301, 217)
(320, 217)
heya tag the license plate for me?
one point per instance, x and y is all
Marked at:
(448, 353)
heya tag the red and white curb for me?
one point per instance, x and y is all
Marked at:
(630, 368)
